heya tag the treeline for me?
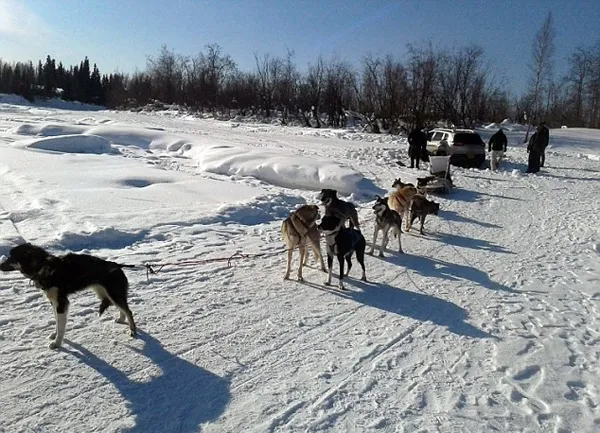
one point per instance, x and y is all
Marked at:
(454, 85)
(430, 84)
(51, 79)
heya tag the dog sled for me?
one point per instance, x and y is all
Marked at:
(440, 180)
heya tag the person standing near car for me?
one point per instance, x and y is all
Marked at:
(497, 147)
(544, 137)
(417, 142)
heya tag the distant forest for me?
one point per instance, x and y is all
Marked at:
(456, 85)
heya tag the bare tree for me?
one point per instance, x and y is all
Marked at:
(384, 91)
(541, 66)
(287, 86)
(269, 71)
(242, 91)
(371, 91)
(466, 85)
(395, 90)
(422, 71)
(166, 73)
(338, 92)
(311, 92)
(219, 67)
(580, 62)
(593, 88)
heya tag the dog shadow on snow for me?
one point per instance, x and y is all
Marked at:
(179, 400)
(419, 306)
(456, 217)
(467, 242)
(436, 268)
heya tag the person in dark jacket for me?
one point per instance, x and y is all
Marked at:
(497, 147)
(544, 137)
(417, 144)
(534, 148)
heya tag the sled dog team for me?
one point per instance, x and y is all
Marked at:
(301, 230)
(61, 276)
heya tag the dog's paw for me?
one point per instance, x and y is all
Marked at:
(52, 336)
(300, 279)
(54, 345)
(381, 254)
(364, 278)
(120, 321)
(286, 277)
(131, 333)
(341, 287)
(327, 283)
(400, 252)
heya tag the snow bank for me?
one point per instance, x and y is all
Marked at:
(509, 125)
(70, 144)
(275, 166)
(12, 99)
(56, 103)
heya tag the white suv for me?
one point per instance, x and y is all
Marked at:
(465, 146)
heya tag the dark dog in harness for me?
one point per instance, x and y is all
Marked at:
(342, 242)
(344, 210)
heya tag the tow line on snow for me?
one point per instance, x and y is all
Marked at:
(238, 255)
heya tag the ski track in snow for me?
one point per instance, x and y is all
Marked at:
(489, 322)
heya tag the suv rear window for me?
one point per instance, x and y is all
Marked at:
(467, 138)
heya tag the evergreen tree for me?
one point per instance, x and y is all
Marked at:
(49, 72)
(96, 91)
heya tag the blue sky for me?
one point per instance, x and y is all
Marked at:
(120, 34)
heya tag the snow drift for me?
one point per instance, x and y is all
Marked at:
(274, 166)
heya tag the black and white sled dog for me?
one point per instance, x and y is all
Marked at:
(386, 219)
(342, 242)
(60, 276)
(341, 209)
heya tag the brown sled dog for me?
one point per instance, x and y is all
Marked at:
(400, 199)
(420, 208)
(299, 230)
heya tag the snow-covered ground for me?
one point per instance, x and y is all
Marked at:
(488, 323)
